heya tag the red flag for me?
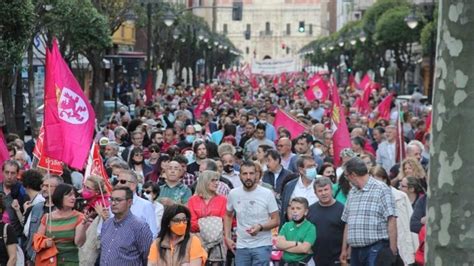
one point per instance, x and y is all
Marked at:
(95, 166)
(428, 122)
(318, 87)
(69, 118)
(275, 81)
(254, 82)
(205, 102)
(364, 106)
(283, 78)
(282, 119)
(384, 107)
(340, 137)
(309, 94)
(352, 82)
(149, 87)
(365, 82)
(44, 162)
(237, 96)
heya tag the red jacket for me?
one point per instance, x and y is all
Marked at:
(198, 208)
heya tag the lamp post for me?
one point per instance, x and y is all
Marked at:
(412, 22)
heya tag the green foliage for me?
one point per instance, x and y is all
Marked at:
(78, 26)
(16, 25)
(377, 10)
(391, 30)
(425, 37)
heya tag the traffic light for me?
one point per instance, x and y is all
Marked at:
(349, 69)
(237, 11)
(301, 27)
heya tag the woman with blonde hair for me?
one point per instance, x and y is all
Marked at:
(407, 242)
(410, 167)
(207, 210)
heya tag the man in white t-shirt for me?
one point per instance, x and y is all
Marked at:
(257, 214)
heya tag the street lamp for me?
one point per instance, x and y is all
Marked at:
(169, 18)
(412, 19)
(176, 34)
(183, 40)
(206, 39)
(200, 35)
(362, 37)
(341, 43)
(216, 43)
(353, 41)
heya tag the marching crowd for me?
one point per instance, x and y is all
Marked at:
(226, 186)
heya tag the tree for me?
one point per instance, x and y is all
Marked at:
(393, 34)
(16, 22)
(450, 240)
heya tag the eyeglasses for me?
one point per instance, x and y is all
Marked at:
(116, 200)
(179, 220)
(123, 182)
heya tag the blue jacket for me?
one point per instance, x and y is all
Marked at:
(282, 178)
(285, 199)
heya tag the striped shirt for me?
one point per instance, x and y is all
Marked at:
(126, 242)
(366, 213)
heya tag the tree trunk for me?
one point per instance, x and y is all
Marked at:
(6, 81)
(19, 117)
(97, 92)
(31, 89)
(450, 237)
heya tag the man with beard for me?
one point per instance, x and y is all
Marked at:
(257, 214)
(200, 153)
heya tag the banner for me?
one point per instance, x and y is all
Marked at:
(68, 116)
(274, 66)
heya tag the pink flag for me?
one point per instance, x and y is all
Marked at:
(149, 87)
(4, 155)
(283, 78)
(44, 162)
(318, 87)
(384, 107)
(69, 118)
(254, 82)
(340, 137)
(365, 82)
(275, 81)
(237, 96)
(205, 102)
(282, 119)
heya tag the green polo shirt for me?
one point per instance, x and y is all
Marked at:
(179, 193)
(306, 232)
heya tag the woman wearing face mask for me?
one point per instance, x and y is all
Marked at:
(328, 170)
(137, 162)
(96, 210)
(151, 192)
(175, 244)
(298, 235)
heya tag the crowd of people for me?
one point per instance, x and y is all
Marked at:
(226, 187)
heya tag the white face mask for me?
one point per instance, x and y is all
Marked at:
(148, 196)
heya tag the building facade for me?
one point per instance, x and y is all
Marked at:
(269, 28)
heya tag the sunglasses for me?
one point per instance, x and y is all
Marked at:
(179, 220)
(147, 191)
(154, 151)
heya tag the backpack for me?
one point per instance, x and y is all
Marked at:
(20, 257)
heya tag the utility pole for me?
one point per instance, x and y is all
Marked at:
(214, 16)
(148, 37)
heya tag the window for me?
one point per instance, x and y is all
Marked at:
(248, 27)
(247, 50)
(287, 50)
(225, 29)
(122, 31)
(288, 29)
(310, 29)
(267, 27)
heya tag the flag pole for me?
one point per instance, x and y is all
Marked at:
(50, 222)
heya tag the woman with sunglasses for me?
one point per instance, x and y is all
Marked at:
(175, 244)
(137, 163)
(151, 191)
(154, 150)
(65, 228)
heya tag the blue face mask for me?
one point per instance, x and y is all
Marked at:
(190, 138)
(311, 173)
(139, 188)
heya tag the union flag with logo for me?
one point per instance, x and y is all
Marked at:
(68, 118)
